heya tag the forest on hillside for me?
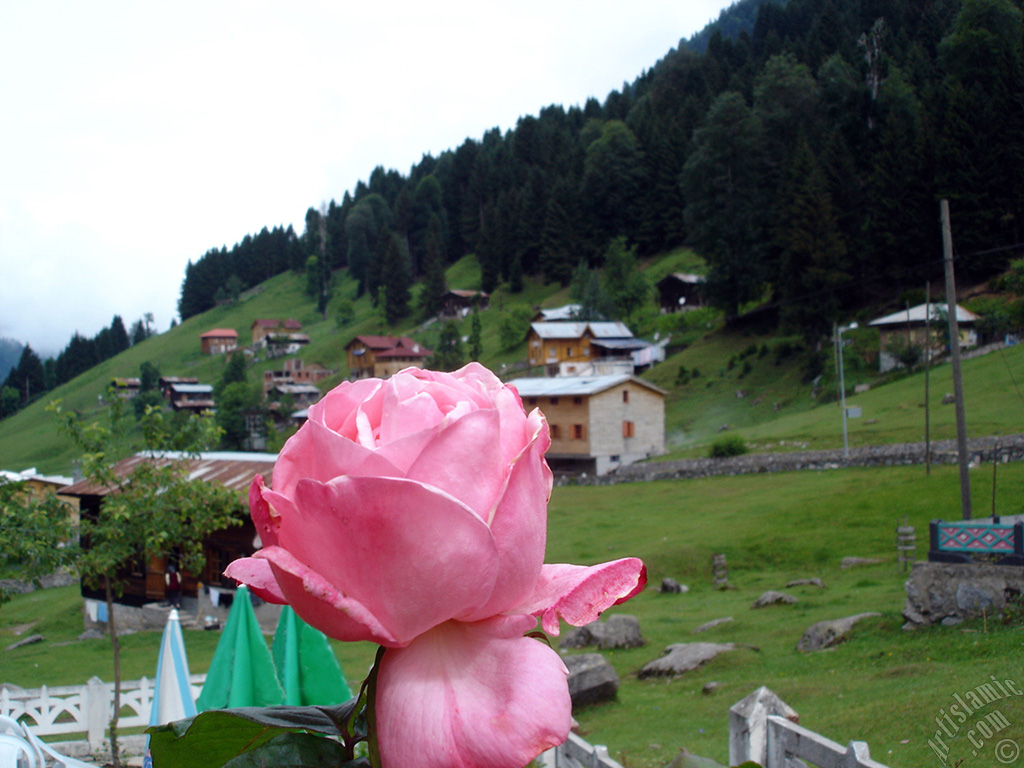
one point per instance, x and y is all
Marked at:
(803, 157)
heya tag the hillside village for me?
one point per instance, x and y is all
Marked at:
(593, 261)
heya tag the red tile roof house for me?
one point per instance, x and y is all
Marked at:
(382, 356)
(261, 329)
(219, 341)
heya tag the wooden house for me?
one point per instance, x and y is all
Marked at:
(551, 344)
(166, 382)
(296, 372)
(597, 423)
(381, 356)
(925, 325)
(261, 329)
(458, 303)
(40, 486)
(144, 581)
(219, 341)
(126, 388)
(679, 292)
(191, 397)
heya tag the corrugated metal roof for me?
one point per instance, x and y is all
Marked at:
(562, 313)
(232, 469)
(918, 314)
(574, 330)
(622, 343)
(575, 385)
(192, 389)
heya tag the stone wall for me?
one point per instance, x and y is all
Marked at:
(949, 593)
(1008, 447)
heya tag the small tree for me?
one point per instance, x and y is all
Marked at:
(448, 354)
(150, 511)
(36, 535)
(513, 325)
(476, 346)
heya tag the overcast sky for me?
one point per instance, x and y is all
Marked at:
(136, 136)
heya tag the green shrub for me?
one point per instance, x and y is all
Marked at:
(730, 445)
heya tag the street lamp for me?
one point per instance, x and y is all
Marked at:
(842, 383)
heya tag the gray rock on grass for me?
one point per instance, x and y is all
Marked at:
(829, 633)
(591, 679)
(772, 597)
(619, 631)
(680, 658)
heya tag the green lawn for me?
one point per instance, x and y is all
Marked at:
(884, 686)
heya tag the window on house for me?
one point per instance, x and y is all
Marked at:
(568, 351)
(553, 400)
(555, 432)
(625, 395)
(531, 401)
(552, 352)
(577, 431)
(628, 429)
(586, 351)
(577, 401)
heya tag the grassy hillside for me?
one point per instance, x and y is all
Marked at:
(29, 437)
(779, 411)
(750, 381)
(884, 685)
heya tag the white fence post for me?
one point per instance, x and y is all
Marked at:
(98, 701)
(748, 725)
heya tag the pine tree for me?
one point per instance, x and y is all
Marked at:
(396, 280)
(476, 347)
(813, 251)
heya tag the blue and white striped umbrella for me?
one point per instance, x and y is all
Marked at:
(172, 697)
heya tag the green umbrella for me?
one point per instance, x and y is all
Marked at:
(242, 673)
(306, 666)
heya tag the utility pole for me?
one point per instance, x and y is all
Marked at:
(927, 368)
(954, 351)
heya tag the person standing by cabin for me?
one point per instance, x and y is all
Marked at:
(173, 581)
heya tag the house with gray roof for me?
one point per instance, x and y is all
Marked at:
(597, 423)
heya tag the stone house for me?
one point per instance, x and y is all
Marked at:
(219, 341)
(598, 423)
(923, 326)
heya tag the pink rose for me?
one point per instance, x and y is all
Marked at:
(412, 512)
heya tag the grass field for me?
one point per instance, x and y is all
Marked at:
(885, 685)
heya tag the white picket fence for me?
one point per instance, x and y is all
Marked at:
(762, 727)
(76, 709)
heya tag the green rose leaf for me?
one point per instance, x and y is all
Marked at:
(215, 738)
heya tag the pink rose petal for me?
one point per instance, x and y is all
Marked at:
(579, 594)
(469, 696)
(411, 554)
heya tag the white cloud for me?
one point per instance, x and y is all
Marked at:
(137, 137)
